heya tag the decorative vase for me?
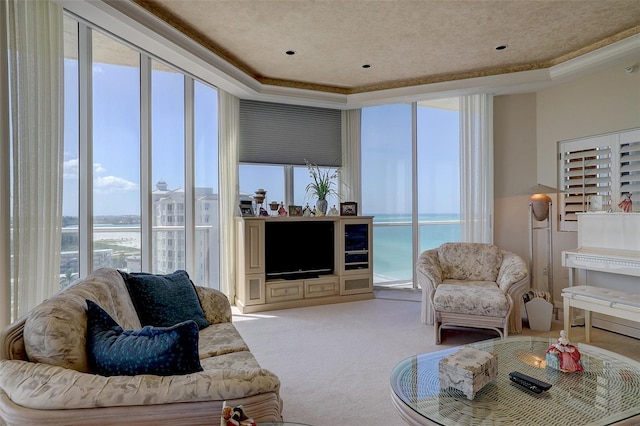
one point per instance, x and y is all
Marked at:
(321, 206)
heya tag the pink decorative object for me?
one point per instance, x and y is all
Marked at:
(626, 204)
(563, 355)
(235, 417)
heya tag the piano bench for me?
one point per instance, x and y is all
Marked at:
(616, 303)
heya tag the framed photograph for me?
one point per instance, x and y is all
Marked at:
(349, 208)
(295, 210)
(246, 210)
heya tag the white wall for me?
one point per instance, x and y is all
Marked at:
(602, 102)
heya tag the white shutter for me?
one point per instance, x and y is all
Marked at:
(630, 163)
(585, 170)
(606, 165)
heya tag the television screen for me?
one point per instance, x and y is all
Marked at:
(299, 249)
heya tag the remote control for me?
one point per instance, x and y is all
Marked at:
(529, 382)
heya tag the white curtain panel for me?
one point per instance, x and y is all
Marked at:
(228, 152)
(36, 76)
(350, 188)
(476, 168)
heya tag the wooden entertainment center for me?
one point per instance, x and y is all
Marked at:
(350, 280)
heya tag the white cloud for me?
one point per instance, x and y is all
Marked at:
(97, 168)
(111, 184)
(70, 169)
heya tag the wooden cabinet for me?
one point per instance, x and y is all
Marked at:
(350, 280)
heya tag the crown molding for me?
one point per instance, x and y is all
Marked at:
(626, 50)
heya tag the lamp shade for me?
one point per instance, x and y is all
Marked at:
(540, 206)
(540, 201)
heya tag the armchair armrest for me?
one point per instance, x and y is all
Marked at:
(512, 270)
(215, 305)
(513, 280)
(429, 265)
(429, 275)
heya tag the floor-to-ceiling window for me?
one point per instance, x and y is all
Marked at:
(168, 168)
(152, 150)
(415, 203)
(115, 90)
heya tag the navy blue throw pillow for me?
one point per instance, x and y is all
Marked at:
(112, 351)
(164, 300)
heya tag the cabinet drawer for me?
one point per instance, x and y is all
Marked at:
(287, 290)
(321, 287)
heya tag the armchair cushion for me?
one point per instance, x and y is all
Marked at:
(472, 297)
(469, 261)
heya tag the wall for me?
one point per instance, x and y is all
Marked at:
(527, 128)
(602, 102)
(514, 135)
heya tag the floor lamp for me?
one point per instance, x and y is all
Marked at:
(540, 210)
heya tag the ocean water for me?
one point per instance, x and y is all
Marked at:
(392, 242)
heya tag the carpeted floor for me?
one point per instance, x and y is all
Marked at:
(334, 361)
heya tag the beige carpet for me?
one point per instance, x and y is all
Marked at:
(334, 361)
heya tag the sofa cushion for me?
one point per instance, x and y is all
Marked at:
(164, 300)
(471, 297)
(55, 331)
(470, 261)
(162, 351)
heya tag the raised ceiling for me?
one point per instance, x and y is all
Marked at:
(405, 43)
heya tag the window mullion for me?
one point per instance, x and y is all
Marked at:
(85, 93)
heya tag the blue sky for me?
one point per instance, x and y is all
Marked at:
(386, 152)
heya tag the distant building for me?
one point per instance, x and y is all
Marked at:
(168, 232)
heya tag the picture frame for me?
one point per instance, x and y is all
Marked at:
(246, 210)
(295, 210)
(349, 208)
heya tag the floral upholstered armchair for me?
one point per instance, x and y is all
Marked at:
(472, 285)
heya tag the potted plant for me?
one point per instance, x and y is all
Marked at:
(323, 184)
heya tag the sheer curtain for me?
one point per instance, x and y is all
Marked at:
(36, 76)
(476, 168)
(350, 188)
(228, 152)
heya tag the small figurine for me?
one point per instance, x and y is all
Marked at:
(235, 417)
(625, 203)
(333, 211)
(282, 211)
(306, 211)
(563, 355)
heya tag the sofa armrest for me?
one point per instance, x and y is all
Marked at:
(43, 386)
(215, 305)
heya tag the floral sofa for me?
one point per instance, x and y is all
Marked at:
(472, 285)
(49, 359)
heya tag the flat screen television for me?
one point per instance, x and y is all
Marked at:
(299, 249)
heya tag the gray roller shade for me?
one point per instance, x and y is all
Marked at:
(273, 133)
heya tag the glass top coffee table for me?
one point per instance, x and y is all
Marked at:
(607, 391)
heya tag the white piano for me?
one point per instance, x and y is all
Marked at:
(608, 243)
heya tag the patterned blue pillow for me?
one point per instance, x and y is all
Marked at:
(112, 351)
(164, 300)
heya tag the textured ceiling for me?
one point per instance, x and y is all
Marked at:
(406, 43)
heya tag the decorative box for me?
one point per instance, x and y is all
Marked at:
(468, 370)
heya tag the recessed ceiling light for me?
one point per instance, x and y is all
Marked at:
(290, 52)
(366, 66)
(502, 47)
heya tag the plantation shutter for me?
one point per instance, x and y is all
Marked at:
(272, 133)
(605, 165)
(585, 171)
(630, 163)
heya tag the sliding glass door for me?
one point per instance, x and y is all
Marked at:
(410, 183)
